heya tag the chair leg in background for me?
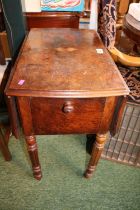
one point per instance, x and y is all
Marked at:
(4, 148)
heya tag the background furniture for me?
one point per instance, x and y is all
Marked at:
(2, 28)
(131, 28)
(2, 58)
(52, 19)
(125, 23)
(5, 132)
(51, 101)
(122, 9)
(12, 27)
(14, 24)
(5, 128)
(124, 147)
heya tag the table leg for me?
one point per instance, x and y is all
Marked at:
(33, 153)
(95, 155)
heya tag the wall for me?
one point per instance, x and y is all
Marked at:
(31, 5)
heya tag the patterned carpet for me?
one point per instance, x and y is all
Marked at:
(132, 78)
(63, 160)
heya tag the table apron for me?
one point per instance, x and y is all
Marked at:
(65, 116)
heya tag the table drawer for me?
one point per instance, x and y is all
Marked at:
(55, 116)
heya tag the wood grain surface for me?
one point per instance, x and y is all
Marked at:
(65, 63)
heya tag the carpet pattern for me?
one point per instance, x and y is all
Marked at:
(132, 79)
(63, 160)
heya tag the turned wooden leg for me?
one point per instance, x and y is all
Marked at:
(33, 153)
(96, 153)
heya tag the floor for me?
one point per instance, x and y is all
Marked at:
(63, 160)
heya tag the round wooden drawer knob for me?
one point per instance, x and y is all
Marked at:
(68, 107)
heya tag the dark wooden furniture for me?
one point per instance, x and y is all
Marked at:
(5, 131)
(63, 86)
(2, 26)
(132, 28)
(127, 23)
(5, 128)
(52, 19)
(14, 25)
(2, 58)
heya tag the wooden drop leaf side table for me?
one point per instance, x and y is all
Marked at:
(63, 85)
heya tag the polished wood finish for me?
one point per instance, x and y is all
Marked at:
(32, 149)
(5, 45)
(123, 58)
(26, 117)
(122, 8)
(96, 153)
(60, 53)
(52, 20)
(60, 89)
(2, 58)
(132, 28)
(13, 114)
(75, 122)
(5, 131)
(116, 120)
(4, 146)
(2, 27)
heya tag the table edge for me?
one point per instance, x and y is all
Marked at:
(66, 94)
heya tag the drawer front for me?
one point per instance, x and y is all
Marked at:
(66, 116)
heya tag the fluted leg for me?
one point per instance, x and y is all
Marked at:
(33, 153)
(96, 153)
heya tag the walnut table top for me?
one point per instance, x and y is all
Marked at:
(65, 63)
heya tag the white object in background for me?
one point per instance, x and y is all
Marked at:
(2, 70)
(93, 15)
(31, 5)
(134, 10)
